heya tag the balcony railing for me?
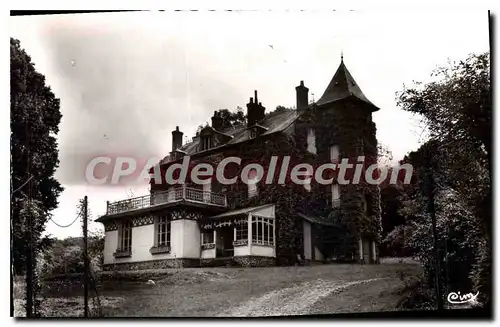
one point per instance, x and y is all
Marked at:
(174, 195)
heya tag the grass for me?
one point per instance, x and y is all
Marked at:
(193, 292)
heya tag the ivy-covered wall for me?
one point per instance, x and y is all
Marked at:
(349, 125)
(346, 124)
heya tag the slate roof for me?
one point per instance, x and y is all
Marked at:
(341, 87)
(274, 122)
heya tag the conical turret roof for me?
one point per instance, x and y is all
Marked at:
(343, 86)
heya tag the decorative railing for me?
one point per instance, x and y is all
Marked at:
(208, 246)
(177, 194)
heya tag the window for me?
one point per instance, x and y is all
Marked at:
(163, 231)
(311, 140)
(207, 237)
(241, 232)
(262, 231)
(253, 133)
(252, 183)
(334, 153)
(126, 237)
(206, 142)
(335, 196)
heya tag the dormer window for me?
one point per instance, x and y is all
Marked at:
(256, 130)
(253, 133)
(206, 142)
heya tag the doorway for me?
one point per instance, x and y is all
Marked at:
(224, 243)
(367, 251)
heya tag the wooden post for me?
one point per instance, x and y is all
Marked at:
(85, 260)
(249, 233)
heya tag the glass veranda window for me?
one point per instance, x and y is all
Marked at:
(207, 237)
(262, 230)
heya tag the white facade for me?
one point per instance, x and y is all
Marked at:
(311, 252)
(186, 241)
(143, 241)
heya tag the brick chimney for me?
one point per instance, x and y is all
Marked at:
(302, 97)
(255, 111)
(176, 139)
(217, 121)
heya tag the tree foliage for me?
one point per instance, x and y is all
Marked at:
(457, 109)
(35, 117)
(66, 256)
(229, 118)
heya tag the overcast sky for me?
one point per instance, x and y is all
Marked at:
(125, 80)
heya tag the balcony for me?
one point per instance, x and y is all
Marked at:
(177, 194)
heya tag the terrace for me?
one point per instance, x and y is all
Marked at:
(174, 195)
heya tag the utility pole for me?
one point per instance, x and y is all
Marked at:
(432, 211)
(85, 259)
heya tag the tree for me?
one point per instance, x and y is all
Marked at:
(35, 117)
(457, 110)
(229, 119)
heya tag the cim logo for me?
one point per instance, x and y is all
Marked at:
(457, 298)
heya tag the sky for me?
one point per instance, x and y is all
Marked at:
(126, 80)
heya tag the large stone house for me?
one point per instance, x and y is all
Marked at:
(255, 223)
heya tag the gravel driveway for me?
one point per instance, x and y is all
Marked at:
(258, 292)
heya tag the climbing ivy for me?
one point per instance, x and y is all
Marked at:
(346, 124)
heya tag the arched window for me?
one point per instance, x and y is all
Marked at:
(252, 183)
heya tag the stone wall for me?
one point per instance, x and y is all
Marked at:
(244, 261)
(153, 264)
(255, 261)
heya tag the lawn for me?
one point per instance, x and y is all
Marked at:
(208, 292)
